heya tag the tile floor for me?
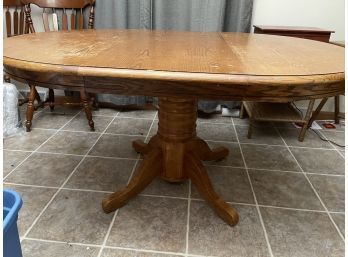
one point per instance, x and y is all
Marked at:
(290, 195)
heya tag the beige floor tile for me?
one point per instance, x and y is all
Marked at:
(73, 216)
(152, 223)
(301, 233)
(101, 174)
(284, 189)
(234, 158)
(209, 235)
(44, 170)
(260, 135)
(80, 123)
(319, 161)
(269, 157)
(12, 159)
(216, 132)
(311, 139)
(70, 142)
(137, 127)
(28, 141)
(48, 120)
(115, 146)
(330, 190)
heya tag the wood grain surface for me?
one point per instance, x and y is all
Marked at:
(165, 63)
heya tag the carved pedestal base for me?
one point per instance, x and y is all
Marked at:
(175, 154)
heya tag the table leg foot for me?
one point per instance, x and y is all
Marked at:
(149, 168)
(199, 177)
(143, 148)
(203, 151)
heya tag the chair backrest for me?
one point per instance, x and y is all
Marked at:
(15, 24)
(76, 14)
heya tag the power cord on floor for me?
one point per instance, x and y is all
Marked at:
(327, 140)
(317, 133)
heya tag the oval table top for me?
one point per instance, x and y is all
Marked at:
(165, 63)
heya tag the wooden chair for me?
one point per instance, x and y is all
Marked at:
(75, 21)
(15, 25)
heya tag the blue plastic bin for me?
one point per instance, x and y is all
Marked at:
(12, 204)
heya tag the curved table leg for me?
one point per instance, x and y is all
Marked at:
(148, 170)
(205, 153)
(143, 148)
(199, 177)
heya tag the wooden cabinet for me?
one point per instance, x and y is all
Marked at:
(301, 32)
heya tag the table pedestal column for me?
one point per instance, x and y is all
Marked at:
(175, 154)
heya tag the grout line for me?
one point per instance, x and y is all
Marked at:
(129, 179)
(29, 185)
(111, 247)
(61, 242)
(235, 142)
(15, 150)
(38, 147)
(254, 195)
(154, 251)
(217, 123)
(78, 155)
(313, 188)
(287, 171)
(165, 196)
(290, 208)
(135, 118)
(205, 164)
(188, 218)
(64, 183)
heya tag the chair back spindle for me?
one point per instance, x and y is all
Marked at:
(65, 20)
(8, 22)
(75, 17)
(14, 22)
(45, 20)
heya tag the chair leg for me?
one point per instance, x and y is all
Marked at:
(94, 100)
(306, 125)
(7, 78)
(337, 109)
(51, 98)
(88, 109)
(242, 111)
(30, 108)
(250, 129)
(38, 99)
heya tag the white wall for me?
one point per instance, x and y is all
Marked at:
(326, 14)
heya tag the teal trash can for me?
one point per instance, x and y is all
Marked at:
(11, 206)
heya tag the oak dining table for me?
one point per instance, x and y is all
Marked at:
(180, 68)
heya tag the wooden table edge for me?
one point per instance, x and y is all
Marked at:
(188, 77)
